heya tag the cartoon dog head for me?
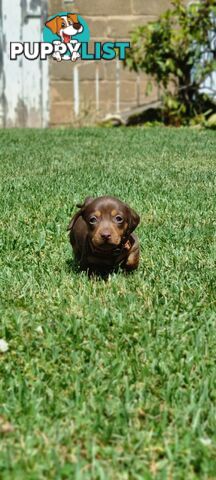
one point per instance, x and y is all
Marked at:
(65, 26)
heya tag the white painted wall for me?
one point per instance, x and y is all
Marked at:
(25, 83)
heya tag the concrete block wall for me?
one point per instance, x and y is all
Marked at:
(108, 20)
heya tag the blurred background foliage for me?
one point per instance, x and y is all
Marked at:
(178, 51)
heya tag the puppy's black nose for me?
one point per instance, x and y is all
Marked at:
(77, 26)
(106, 235)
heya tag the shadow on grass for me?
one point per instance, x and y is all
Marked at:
(73, 266)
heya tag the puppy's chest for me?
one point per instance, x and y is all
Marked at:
(108, 260)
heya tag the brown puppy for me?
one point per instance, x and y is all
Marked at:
(101, 235)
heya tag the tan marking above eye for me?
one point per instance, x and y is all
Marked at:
(98, 213)
(114, 213)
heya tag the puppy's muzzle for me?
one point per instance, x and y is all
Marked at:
(105, 235)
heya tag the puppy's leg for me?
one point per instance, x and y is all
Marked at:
(56, 55)
(132, 260)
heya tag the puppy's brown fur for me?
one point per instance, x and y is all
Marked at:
(101, 235)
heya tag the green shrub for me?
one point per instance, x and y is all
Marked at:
(177, 51)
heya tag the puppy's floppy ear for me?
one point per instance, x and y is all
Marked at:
(52, 24)
(133, 219)
(82, 207)
(73, 17)
(86, 202)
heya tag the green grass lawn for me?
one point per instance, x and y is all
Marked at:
(108, 380)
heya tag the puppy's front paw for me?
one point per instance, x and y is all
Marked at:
(57, 56)
(132, 260)
(75, 56)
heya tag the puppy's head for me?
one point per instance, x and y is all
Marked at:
(109, 221)
(65, 26)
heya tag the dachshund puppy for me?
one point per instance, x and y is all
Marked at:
(101, 235)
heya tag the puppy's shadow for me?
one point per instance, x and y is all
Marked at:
(73, 266)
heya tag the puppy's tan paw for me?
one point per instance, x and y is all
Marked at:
(132, 260)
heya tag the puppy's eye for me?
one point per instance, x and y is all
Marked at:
(63, 24)
(119, 219)
(70, 23)
(93, 220)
